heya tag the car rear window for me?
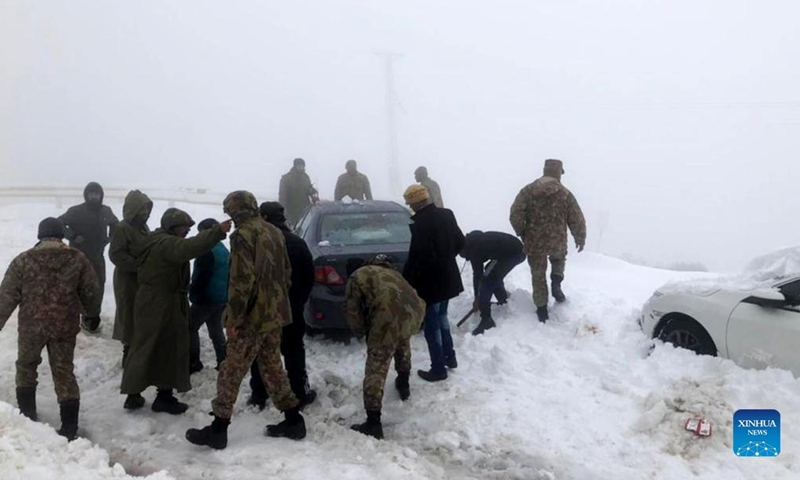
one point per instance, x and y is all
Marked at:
(369, 228)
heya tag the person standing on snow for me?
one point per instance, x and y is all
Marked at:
(159, 352)
(540, 216)
(258, 309)
(127, 240)
(432, 270)
(503, 252)
(87, 226)
(296, 193)
(352, 184)
(435, 193)
(292, 347)
(208, 293)
(51, 283)
(383, 306)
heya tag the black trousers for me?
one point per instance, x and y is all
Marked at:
(294, 358)
(492, 282)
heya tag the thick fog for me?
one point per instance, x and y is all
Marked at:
(678, 121)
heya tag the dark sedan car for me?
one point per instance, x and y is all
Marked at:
(335, 232)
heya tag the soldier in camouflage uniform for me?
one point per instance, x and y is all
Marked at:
(52, 284)
(383, 306)
(540, 215)
(352, 184)
(434, 192)
(258, 308)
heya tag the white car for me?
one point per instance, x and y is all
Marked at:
(756, 328)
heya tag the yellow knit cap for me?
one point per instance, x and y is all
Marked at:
(415, 193)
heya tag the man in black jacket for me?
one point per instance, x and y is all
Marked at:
(292, 347)
(432, 270)
(503, 252)
(87, 227)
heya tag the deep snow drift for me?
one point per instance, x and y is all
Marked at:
(578, 398)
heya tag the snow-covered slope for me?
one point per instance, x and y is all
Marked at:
(578, 398)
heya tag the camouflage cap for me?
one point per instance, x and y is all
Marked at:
(175, 217)
(238, 202)
(382, 259)
(554, 167)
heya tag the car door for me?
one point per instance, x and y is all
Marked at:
(760, 337)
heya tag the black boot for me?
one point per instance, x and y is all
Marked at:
(431, 376)
(541, 312)
(26, 399)
(402, 385)
(486, 323)
(91, 324)
(294, 427)
(258, 402)
(451, 362)
(134, 402)
(69, 419)
(214, 435)
(372, 426)
(167, 403)
(305, 395)
(555, 288)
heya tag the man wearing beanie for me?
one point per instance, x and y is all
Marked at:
(87, 228)
(432, 270)
(292, 347)
(540, 215)
(208, 293)
(51, 283)
(296, 192)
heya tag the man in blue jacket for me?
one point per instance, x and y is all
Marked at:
(208, 293)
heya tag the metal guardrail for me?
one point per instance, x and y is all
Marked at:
(65, 195)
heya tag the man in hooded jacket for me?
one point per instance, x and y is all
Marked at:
(292, 347)
(258, 309)
(127, 241)
(540, 216)
(87, 227)
(159, 351)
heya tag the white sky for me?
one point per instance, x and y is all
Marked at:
(678, 121)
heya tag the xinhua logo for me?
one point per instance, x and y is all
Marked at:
(757, 433)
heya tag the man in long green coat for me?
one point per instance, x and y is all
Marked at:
(159, 351)
(127, 240)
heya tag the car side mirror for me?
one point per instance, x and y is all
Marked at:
(767, 298)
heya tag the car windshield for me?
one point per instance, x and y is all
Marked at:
(369, 228)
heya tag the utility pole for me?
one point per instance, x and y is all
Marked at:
(391, 122)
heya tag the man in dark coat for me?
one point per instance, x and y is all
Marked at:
(296, 192)
(503, 252)
(87, 226)
(352, 184)
(51, 283)
(208, 293)
(432, 270)
(292, 347)
(159, 352)
(127, 240)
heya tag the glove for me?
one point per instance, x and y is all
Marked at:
(579, 246)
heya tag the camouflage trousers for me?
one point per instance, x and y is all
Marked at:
(60, 353)
(378, 361)
(241, 351)
(538, 264)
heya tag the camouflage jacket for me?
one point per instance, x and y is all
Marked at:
(353, 186)
(434, 192)
(541, 214)
(52, 284)
(382, 305)
(260, 277)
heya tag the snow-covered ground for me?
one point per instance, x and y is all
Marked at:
(578, 398)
